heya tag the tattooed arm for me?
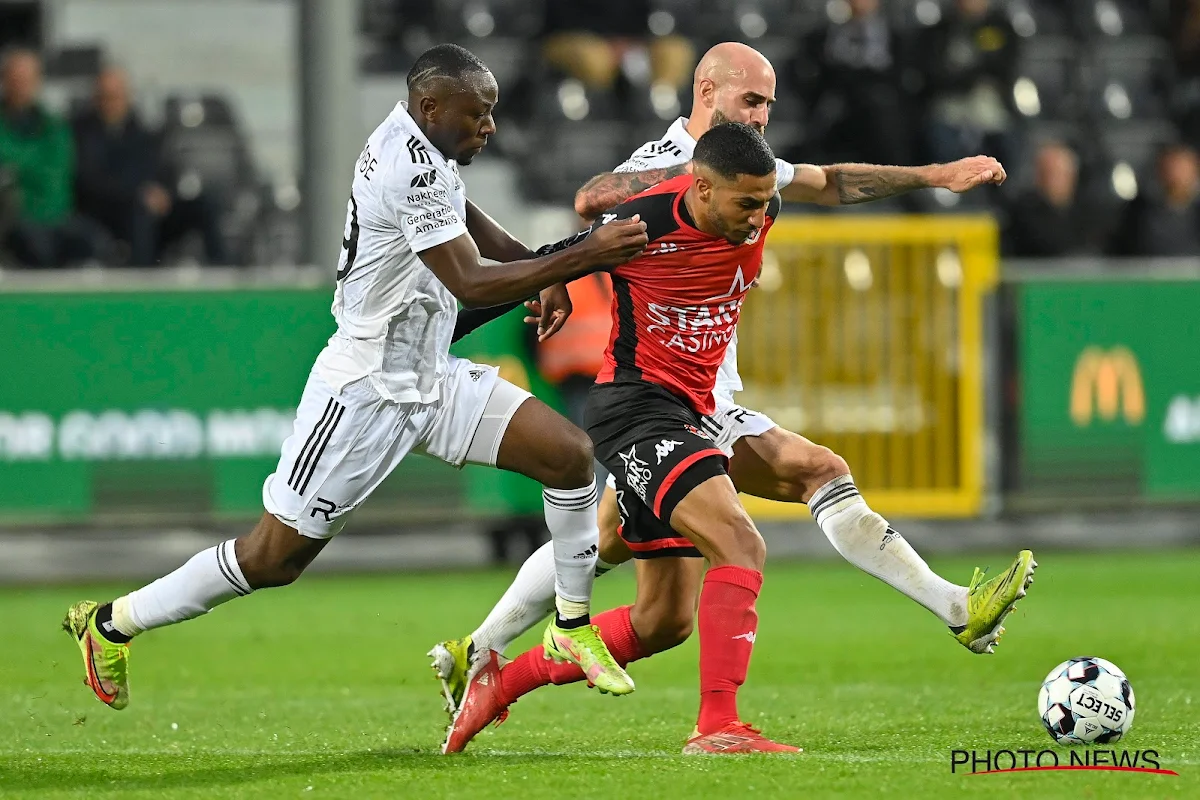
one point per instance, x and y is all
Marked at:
(609, 189)
(847, 184)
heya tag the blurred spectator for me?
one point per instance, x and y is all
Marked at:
(591, 41)
(1050, 219)
(122, 183)
(1185, 46)
(969, 67)
(857, 97)
(35, 146)
(1166, 220)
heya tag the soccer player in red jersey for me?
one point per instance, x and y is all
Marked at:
(675, 309)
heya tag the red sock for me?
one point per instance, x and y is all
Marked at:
(728, 626)
(531, 670)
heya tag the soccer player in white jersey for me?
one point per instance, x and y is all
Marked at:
(734, 82)
(386, 385)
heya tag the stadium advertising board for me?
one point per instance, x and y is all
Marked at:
(1110, 387)
(175, 403)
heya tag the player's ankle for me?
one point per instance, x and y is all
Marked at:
(718, 709)
(107, 627)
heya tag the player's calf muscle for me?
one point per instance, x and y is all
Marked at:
(274, 554)
(781, 465)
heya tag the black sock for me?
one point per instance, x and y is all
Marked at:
(567, 624)
(105, 625)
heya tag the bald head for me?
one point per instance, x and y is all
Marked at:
(733, 83)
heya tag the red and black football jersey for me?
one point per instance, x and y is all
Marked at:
(676, 306)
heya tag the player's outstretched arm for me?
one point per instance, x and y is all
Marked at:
(847, 184)
(476, 285)
(609, 189)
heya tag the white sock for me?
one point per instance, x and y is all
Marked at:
(867, 541)
(526, 602)
(208, 579)
(575, 537)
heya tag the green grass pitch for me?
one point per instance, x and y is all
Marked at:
(323, 690)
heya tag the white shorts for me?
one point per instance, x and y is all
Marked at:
(728, 423)
(343, 444)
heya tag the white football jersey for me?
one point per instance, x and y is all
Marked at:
(674, 148)
(395, 318)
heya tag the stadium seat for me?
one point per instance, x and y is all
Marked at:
(1128, 78)
(566, 155)
(482, 18)
(1048, 83)
(1032, 18)
(1112, 19)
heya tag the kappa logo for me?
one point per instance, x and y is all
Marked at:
(750, 636)
(424, 180)
(665, 448)
(692, 429)
(607, 218)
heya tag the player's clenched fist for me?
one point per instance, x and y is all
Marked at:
(618, 241)
(967, 173)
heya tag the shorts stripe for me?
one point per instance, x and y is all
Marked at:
(310, 469)
(678, 470)
(711, 427)
(659, 544)
(309, 441)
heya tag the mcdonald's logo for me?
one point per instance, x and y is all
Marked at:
(1105, 383)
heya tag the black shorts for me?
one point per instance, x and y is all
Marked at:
(652, 443)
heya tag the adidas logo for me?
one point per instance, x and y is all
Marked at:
(589, 553)
(424, 180)
(888, 537)
(475, 374)
(749, 637)
(483, 679)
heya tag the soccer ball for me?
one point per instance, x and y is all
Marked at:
(1086, 700)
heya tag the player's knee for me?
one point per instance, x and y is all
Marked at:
(739, 543)
(805, 472)
(827, 465)
(274, 554)
(570, 463)
(265, 570)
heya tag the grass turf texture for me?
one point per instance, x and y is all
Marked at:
(323, 689)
